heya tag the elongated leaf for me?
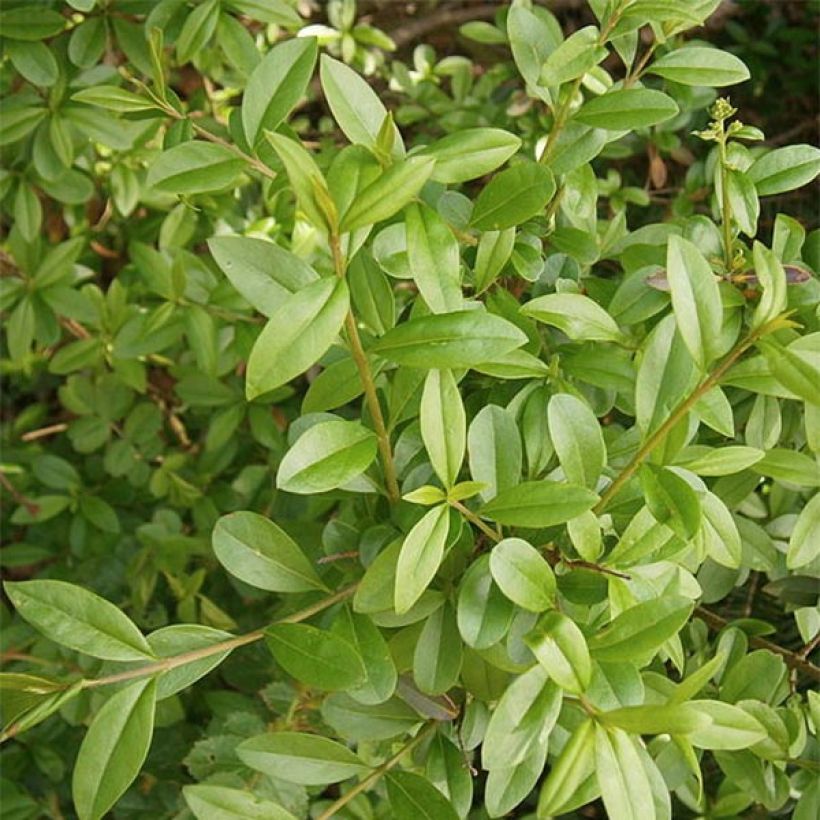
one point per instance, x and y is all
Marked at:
(695, 299)
(671, 500)
(113, 98)
(276, 85)
(523, 575)
(804, 544)
(578, 316)
(197, 30)
(577, 439)
(79, 619)
(731, 726)
(450, 340)
(315, 656)
(420, 557)
(573, 58)
(627, 108)
(300, 758)
(256, 551)
(700, 66)
(443, 425)
(413, 797)
(513, 197)
(772, 278)
(470, 153)
(560, 647)
(784, 169)
(114, 749)
(445, 769)
(679, 719)
(437, 657)
(326, 456)
(195, 167)
(539, 504)
(621, 776)
(494, 450)
(297, 335)
(484, 613)
(366, 638)
(573, 766)
(222, 803)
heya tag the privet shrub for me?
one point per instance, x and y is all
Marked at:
(479, 478)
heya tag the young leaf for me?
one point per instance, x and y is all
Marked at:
(297, 335)
(577, 439)
(513, 197)
(494, 450)
(114, 749)
(420, 557)
(626, 109)
(326, 456)
(694, 65)
(223, 803)
(315, 657)
(578, 316)
(573, 58)
(470, 153)
(695, 299)
(79, 619)
(804, 544)
(621, 776)
(443, 425)
(256, 551)
(276, 85)
(195, 167)
(561, 649)
(539, 504)
(309, 760)
(572, 768)
(523, 575)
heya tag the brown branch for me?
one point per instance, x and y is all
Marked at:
(43, 432)
(32, 508)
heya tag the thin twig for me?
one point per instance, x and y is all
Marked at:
(43, 432)
(21, 499)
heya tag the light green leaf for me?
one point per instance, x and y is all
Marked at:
(655, 719)
(573, 58)
(621, 776)
(256, 551)
(449, 340)
(114, 749)
(315, 657)
(719, 461)
(577, 439)
(413, 797)
(113, 98)
(532, 40)
(772, 278)
(437, 657)
(297, 757)
(719, 532)
(513, 197)
(785, 169)
(494, 450)
(222, 803)
(578, 316)
(539, 504)
(420, 557)
(804, 544)
(743, 200)
(695, 299)
(195, 167)
(197, 30)
(77, 618)
(570, 771)
(695, 65)
(470, 153)
(443, 425)
(297, 335)
(277, 83)
(523, 575)
(627, 108)
(560, 647)
(671, 500)
(326, 456)
(731, 727)
(484, 613)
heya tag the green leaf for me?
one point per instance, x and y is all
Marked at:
(694, 65)
(655, 719)
(639, 632)
(358, 722)
(804, 544)
(621, 775)
(223, 803)
(695, 299)
(573, 58)
(315, 657)
(297, 757)
(532, 40)
(731, 727)
(523, 719)
(16, 123)
(743, 201)
(297, 335)
(195, 167)
(443, 425)
(432, 253)
(79, 619)
(671, 500)
(326, 456)
(28, 212)
(627, 108)
(20, 24)
(772, 278)
(437, 657)
(420, 557)
(539, 504)
(277, 83)
(445, 769)
(494, 450)
(494, 251)
(449, 340)
(114, 749)
(719, 532)
(197, 30)
(87, 42)
(263, 272)
(570, 771)
(560, 647)
(579, 317)
(785, 169)
(484, 613)
(577, 439)
(389, 193)
(256, 551)
(413, 797)
(513, 197)
(470, 153)
(34, 61)
(523, 575)
(355, 106)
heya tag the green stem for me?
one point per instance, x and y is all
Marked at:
(474, 519)
(726, 206)
(637, 72)
(366, 375)
(376, 774)
(677, 414)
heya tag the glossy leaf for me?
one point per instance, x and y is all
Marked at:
(513, 197)
(523, 575)
(420, 557)
(443, 425)
(577, 439)
(560, 647)
(627, 108)
(539, 504)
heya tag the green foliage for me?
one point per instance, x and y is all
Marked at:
(380, 442)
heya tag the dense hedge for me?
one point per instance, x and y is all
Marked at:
(396, 439)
